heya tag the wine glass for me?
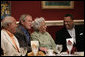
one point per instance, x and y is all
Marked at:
(23, 50)
(50, 52)
(59, 48)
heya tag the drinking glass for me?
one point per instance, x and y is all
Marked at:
(35, 46)
(35, 51)
(23, 50)
(59, 48)
(50, 52)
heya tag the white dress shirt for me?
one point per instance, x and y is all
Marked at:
(72, 34)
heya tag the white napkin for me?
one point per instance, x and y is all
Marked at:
(71, 39)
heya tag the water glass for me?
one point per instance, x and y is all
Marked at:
(59, 48)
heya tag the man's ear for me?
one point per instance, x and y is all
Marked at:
(8, 24)
(22, 22)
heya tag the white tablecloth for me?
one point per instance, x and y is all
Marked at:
(75, 54)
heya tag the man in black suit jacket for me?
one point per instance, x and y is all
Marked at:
(71, 31)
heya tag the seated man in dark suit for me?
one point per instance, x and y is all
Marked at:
(22, 33)
(71, 31)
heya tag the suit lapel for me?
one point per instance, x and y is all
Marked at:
(76, 32)
(67, 35)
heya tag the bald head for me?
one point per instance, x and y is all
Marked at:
(9, 23)
(7, 20)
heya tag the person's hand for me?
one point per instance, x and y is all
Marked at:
(43, 49)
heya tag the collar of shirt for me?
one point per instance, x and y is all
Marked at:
(72, 34)
(23, 29)
(72, 31)
(10, 34)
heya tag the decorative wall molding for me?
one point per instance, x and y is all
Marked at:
(60, 22)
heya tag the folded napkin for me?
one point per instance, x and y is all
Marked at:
(70, 41)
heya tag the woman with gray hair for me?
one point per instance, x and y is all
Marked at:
(40, 34)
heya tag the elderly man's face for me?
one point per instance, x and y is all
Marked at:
(28, 22)
(68, 22)
(42, 27)
(12, 26)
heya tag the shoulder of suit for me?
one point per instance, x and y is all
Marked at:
(79, 27)
(18, 30)
(61, 30)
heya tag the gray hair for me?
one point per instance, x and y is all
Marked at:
(23, 17)
(36, 22)
(7, 20)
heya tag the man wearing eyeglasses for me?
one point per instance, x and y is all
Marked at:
(70, 30)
